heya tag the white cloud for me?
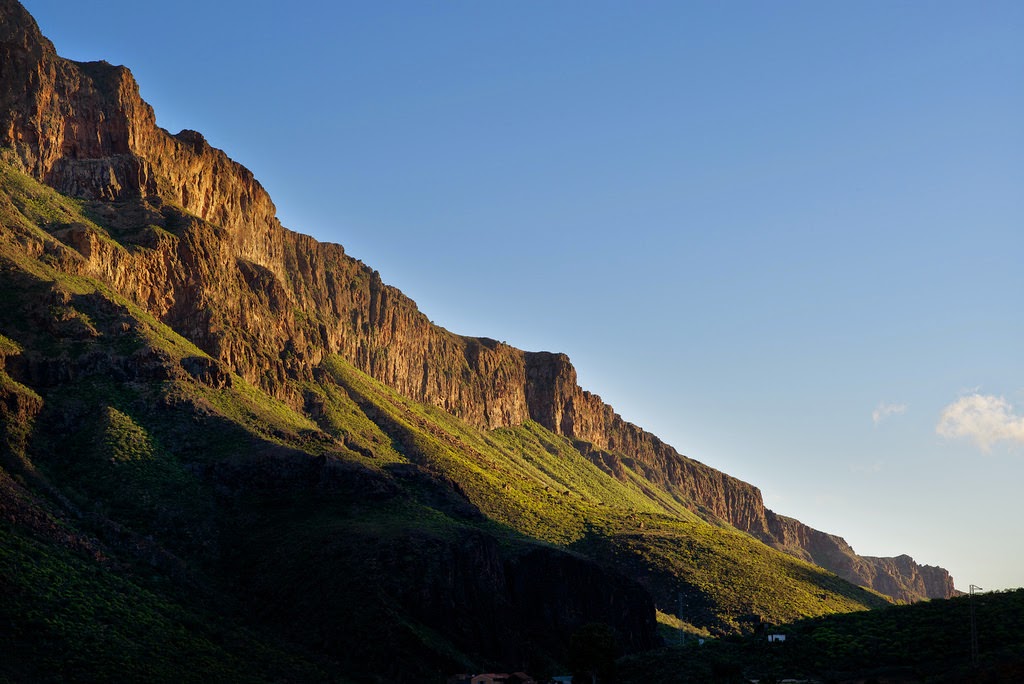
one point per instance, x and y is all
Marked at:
(986, 419)
(884, 410)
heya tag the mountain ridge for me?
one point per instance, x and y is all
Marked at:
(84, 130)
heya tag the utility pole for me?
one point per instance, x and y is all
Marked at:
(974, 628)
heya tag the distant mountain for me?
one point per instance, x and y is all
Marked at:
(242, 438)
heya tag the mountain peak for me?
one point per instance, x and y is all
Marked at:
(20, 28)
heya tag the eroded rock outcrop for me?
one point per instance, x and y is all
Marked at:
(902, 578)
(197, 244)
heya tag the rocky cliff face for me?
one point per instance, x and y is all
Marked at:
(901, 577)
(904, 578)
(206, 255)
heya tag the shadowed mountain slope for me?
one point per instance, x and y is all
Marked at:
(929, 641)
(208, 412)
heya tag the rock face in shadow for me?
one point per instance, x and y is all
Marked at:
(198, 245)
(519, 609)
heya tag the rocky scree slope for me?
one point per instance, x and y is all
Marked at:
(270, 304)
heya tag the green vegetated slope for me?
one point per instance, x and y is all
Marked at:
(160, 510)
(94, 507)
(923, 642)
(70, 617)
(537, 483)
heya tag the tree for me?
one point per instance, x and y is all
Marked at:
(592, 654)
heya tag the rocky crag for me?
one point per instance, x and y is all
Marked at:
(200, 248)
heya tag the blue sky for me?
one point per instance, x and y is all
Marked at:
(785, 237)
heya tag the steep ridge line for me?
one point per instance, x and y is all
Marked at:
(211, 260)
